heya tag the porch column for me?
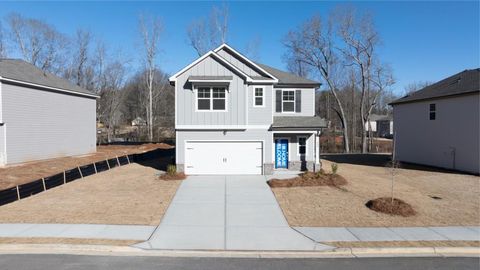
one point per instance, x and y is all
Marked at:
(317, 149)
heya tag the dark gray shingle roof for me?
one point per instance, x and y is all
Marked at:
(467, 81)
(20, 70)
(285, 78)
(298, 122)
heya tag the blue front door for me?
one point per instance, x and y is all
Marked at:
(281, 153)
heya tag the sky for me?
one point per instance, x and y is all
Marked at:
(421, 41)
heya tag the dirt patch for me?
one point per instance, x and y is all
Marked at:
(68, 241)
(169, 177)
(320, 206)
(13, 175)
(385, 244)
(391, 207)
(309, 179)
(131, 194)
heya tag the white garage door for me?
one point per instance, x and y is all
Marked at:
(223, 157)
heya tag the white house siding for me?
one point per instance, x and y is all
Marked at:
(260, 115)
(434, 142)
(308, 102)
(43, 124)
(262, 135)
(186, 114)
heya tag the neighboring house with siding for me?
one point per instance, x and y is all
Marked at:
(43, 116)
(380, 125)
(234, 116)
(439, 124)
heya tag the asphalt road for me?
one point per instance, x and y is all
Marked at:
(73, 262)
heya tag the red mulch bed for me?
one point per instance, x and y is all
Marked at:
(169, 177)
(384, 205)
(309, 179)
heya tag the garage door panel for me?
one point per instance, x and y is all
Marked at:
(223, 157)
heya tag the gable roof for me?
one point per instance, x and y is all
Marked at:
(245, 59)
(285, 78)
(19, 71)
(467, 81)
(273, 75)
(201, 58)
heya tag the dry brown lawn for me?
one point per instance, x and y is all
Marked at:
(130, 194)
(330, 206)
(17, 174)
(69, 241)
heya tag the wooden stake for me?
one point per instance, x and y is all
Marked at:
(118, 161)
(81, 174)
(44, 186)
(128, 159)
(108, 164)
(18, 193)
(95, 166)
(64, 178)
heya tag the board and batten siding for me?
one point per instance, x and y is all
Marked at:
(238, 63)
(450, 141)
(42, 124)
(185, 95)
(307, 101)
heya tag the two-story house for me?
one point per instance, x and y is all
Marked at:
(235, 116)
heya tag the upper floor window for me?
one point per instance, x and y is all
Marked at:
(433, 111)
(258, 97)
(288, 101)
(211, 99)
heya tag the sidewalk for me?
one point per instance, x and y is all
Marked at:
(375, 234)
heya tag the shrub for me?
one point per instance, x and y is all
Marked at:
(334, 168)
(171, 169)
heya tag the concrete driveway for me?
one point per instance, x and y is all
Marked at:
(226, 213)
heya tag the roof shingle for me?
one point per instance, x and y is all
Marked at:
(467, 81)
(19, 70)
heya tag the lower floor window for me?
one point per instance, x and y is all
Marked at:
(302, 146)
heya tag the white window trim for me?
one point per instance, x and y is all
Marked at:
(294, 101)
(298, 145)
(195, 92)
(263, 96)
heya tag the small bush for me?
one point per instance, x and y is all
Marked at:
(171, 170)
(334, 168)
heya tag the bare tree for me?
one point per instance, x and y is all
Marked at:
(361, 41)
(206, 33)
(150, 31)
(252, 48)
(3, 45)
(415, 86)
(38, 42)
(80, 70)
(313, 44)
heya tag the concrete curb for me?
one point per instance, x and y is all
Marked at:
(100, 250)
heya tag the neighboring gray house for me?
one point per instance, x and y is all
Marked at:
(43, 116)
(439, 124)
(380, 125)
(234, 116)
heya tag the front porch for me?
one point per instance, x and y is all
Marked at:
(296, 144)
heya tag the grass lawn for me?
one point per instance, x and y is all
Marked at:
(130, 194)
(324, 206)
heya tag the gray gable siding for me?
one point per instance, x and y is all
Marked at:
(238, 63)
(186, 111)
